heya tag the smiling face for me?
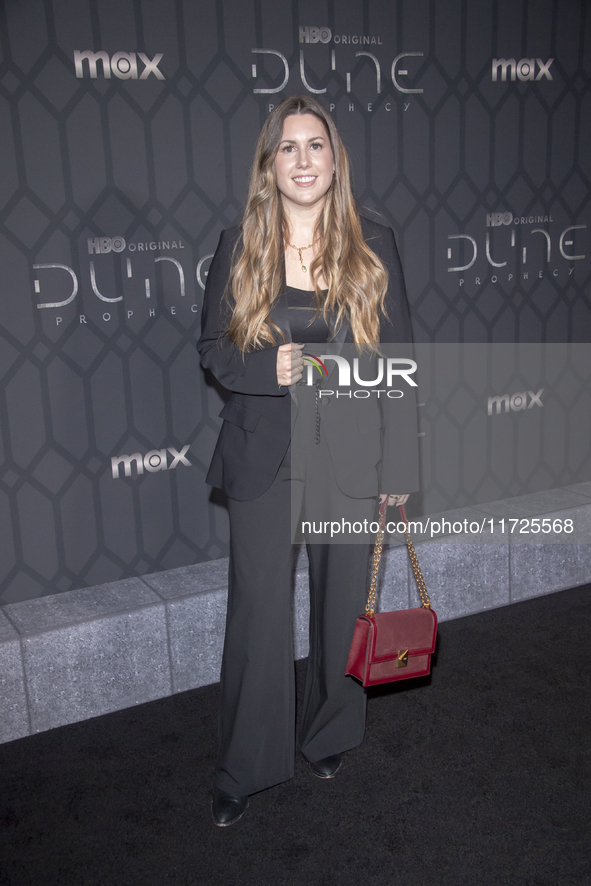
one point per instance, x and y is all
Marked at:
(304, 163)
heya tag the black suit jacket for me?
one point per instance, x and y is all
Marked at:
(372, 441)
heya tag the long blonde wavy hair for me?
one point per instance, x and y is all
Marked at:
(356, 278)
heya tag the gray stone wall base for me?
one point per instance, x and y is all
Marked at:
(76, 655)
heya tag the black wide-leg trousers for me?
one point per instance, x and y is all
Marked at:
(257, 693)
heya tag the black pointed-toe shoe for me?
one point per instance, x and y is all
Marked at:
(227, 809)
(328, 767)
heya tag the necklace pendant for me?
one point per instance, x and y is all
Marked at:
(304, 269)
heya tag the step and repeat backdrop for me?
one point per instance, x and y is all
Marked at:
(127, 130)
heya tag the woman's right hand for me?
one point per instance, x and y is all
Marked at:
(290, 363)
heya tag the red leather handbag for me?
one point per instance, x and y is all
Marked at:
(390, 646)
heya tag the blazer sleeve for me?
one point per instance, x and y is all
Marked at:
(251, 373)
(399, 469)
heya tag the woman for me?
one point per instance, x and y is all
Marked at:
(303, 267)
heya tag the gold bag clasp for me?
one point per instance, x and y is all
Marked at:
(402, 660)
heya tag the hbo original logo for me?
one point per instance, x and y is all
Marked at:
(494, 219)
(102, 245)
(315, 35)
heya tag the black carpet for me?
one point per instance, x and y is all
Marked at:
(478, 775)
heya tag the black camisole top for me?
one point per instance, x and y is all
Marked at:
(305, 326)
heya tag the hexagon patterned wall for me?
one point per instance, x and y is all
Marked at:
(127, 130)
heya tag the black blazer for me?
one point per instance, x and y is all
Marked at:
(373, 441)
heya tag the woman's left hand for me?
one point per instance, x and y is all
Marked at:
(394, 499)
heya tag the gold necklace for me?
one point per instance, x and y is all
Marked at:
(300, 249)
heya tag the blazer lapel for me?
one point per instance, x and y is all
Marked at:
(338, 339)
(335, 345)
(280, 316)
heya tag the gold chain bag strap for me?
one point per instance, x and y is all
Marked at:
(390, 646)
(377, 556)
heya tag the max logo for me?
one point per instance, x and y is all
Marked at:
(525, 69)
(122, 65)
(152, 461)
(515, 402)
